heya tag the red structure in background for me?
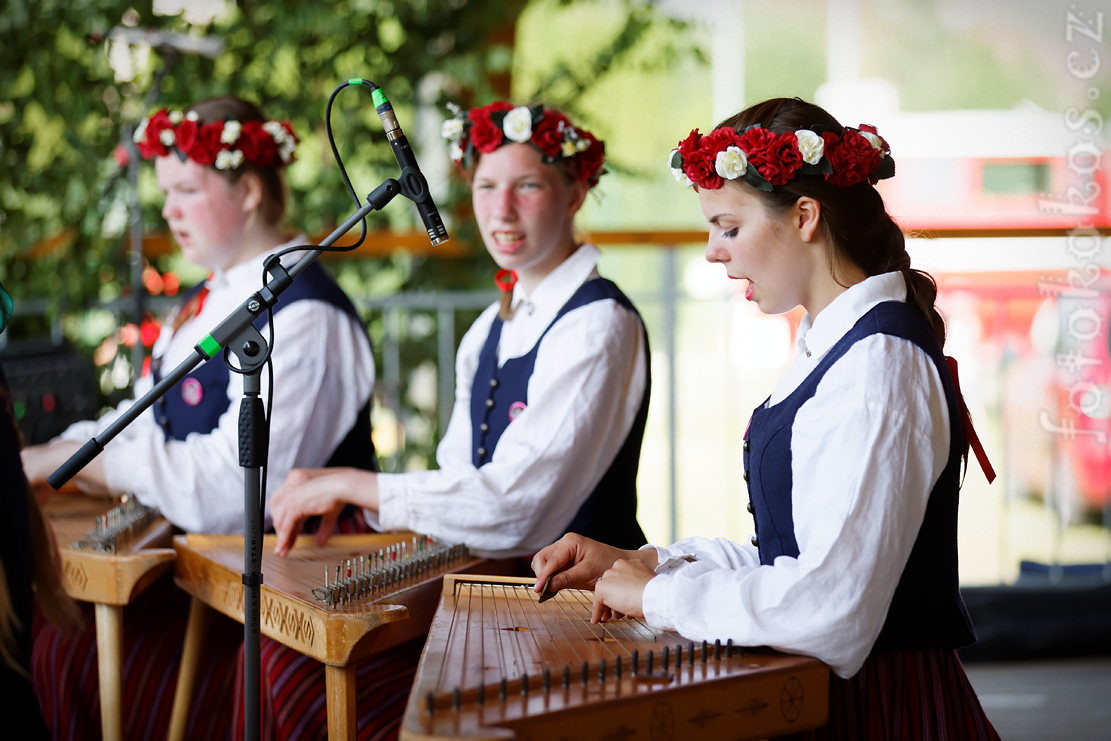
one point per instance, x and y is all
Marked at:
(1019, 304)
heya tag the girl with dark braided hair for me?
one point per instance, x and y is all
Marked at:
(853, 463)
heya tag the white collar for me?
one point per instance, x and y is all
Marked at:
(818, 334)
(249, 272)
(558, 286)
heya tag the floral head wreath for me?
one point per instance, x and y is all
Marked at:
(485, 129)
(223, 144)
(765, 159)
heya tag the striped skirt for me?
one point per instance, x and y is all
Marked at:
(292, 699)
(911, 694)
(64, 670)
(293, 704)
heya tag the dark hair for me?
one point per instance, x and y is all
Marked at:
(231, 108)
(854, 219)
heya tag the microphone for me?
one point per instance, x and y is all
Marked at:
(413, 185)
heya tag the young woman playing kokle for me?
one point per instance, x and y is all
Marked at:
(552, 383)
(551, 396)
(852, 464)
(220, 165)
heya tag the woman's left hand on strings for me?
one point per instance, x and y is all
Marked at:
(318, 491)
(620, 591)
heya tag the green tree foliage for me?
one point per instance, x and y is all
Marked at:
(68, 101)
(65, 110)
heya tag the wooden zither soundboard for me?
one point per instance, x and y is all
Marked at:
(300, 606)
(499, 664)
(355, 596)
(111, 550)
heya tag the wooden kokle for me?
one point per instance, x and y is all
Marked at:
(498, 664)
(111, 550)
(357, 595)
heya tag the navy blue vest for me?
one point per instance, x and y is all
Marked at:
(927, 610)
(498, 394)
(196, 403)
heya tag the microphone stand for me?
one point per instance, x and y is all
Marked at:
(237, 336)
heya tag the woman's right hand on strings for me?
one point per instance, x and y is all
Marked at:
(318, 491)
(576, 562)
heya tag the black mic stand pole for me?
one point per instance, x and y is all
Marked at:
(237, 335)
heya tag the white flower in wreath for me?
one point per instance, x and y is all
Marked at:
(811, 145)
(166, 136)
(456, 152)
(452, 130)
(518, 124)
(275, 130)
(141, 131)
(175, 117)
(874, 140)
(231, 132)
(731, 163)
(228, 159)
(677, 172)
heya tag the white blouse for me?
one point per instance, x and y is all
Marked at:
(866, 451)
(323, 375)
(584, 394)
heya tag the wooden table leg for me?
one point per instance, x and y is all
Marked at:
(187, 670)
(109, 649)
(339, 683)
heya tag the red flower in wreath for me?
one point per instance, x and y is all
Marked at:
(207, 144)
(547, 136)
(786, 152)
(587, 164)
(256, 144)
(852, 157)
(485, 136)
(688, 148)
(187, 133)
(758, 144)
(151, 144)
(698, 163)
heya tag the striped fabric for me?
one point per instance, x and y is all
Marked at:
(293, 703)
(292, 697)
(905, 695)
(64, 670)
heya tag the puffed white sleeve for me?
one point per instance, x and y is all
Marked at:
(587, 384)
(323, 374)
(866, 450)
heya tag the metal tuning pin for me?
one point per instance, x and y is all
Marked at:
(367, 574)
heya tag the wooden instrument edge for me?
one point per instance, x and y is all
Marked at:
(112, 579)
(333, 637)
(107, 578)
(772, 702)
(328, 637)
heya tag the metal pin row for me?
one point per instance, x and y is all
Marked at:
(111, 527)
(355, 578)
(704, 654)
